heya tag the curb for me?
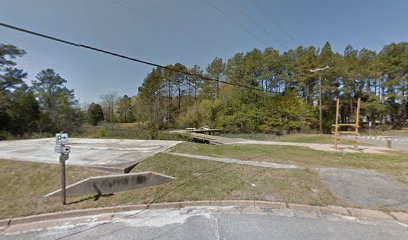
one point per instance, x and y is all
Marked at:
(365, 214)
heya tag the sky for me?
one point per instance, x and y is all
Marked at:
(186, 31)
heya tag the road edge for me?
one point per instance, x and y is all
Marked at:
(366, 214)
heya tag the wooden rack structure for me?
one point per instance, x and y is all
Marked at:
(352, 125)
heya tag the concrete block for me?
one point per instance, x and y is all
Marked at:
(164, 205)
(336, 210)
(306, 208)
(272, 205)
(113, 183)
(232, 203)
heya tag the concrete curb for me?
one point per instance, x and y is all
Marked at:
(365, 214)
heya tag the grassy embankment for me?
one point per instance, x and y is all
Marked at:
(24, 185)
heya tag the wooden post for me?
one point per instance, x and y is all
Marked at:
(357, 125)
(336, 127)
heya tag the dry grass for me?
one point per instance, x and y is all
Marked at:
(25, 183)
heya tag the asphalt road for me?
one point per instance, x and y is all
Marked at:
(216, 223)
(366, 189)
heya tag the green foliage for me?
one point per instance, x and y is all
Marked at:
(124, 110)
(201, 114)
(287, 99)
(4, 135)
(286, 113)
(95, 114)
(24, 113)
(215, 70)
(103, 133)
(57, 102)
(237, 116)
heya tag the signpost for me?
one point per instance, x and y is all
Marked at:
(61, 139)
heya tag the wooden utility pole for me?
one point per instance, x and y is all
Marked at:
(320, 105)
(356, 127)
(320, 95)
(336, 126)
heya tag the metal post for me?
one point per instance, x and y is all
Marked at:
(63, 192)
(60, 140)
(320, 104)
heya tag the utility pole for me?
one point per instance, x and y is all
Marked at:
(320, 105)
(320, 95)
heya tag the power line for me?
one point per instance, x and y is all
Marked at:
(257, 24)
(122, 56)
(235, 22)
(161, 21)
(275, 22)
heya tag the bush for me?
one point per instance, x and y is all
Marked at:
(203, 113)
(4, 135)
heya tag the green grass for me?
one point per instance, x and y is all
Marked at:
(24, 184)
(394, 164)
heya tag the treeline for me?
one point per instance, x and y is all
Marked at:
(281, 94)
(288, 92)
(45, 107)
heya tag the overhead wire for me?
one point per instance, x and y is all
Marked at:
(222, 12)
(275, 22)
(60, 40)
(257, 24)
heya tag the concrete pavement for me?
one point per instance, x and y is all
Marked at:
(117, 155)
(218, 140)
(215, 222)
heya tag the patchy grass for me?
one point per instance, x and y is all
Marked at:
(24, 184)
(312, 138)
(299, 138)
(201, 179)
(393, 163)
